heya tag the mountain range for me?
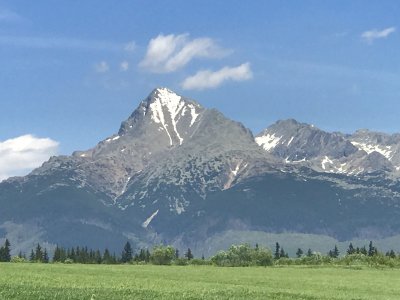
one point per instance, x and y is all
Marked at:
(179, 173)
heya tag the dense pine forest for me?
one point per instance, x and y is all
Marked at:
(236, 255)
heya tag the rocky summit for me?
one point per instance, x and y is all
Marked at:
(179, 173)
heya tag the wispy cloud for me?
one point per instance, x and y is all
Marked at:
(102, 67)
(62, 43)
(168, 53)
(124, 66)
(22, 154)
(208, 79)
(371, 35)
(7, 15)
(130, 47)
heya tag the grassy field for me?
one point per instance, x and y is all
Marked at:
(57, 281)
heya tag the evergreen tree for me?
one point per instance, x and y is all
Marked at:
(32, 256)
(97, 257)
(189, 254)
(363, 250)
(372, 250)
(176, 253)
(351, 249)
(126, 253)
(72, 254)
(57, 254)
(45, 256)
(392, 254)
(283, 253)
(107, 258)
(335, 252)
(309, 252)
(277, 251)
(299, 252)
(38, 253)
(5, 252)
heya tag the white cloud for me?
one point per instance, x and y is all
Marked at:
(208, 79)
(102, 67)
(62, 43)
(130, 47)
(168, 53)
(20, 155)
(372, 35)
(124, 66)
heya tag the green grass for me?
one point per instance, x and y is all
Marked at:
(57, 281)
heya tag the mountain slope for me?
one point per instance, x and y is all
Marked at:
(177, 172)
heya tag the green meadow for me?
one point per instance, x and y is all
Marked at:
(75, 281)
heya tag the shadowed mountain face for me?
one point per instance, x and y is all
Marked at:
(179, 173)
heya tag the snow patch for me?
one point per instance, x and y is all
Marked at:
(149, 219)
(268, 141)
(290, 141)
(170, 101)
(369, 148)
(194, 114)
(325, 161)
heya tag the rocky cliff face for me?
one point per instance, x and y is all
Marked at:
(353, 154)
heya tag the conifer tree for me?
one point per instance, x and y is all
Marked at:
(299, 252)
(336, 252)
(45, 256)
(309, 252)
(7, 250)
(32, 256)
(372, 250)
(97, 257)
(106, 257)
(127, 253)
(363, 250)
(38, 253)
(351, 249)
(283, 253)
(57, 254)
(189, 254)
(277, 251)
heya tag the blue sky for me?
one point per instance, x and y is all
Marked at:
(71, 71)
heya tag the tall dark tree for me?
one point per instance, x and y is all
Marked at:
(372, 250)
(351, 249)
(189, 254)
(391, 254)
(363, 250)
(127, 253)
(334, 253)
(45, 258)
(5, 255)
(277, 251)
(299, 252)
(57, 254)
(309, 252)
(32, 256)
(38, 253)
(107, 258)
(176, 253)
(283, 253)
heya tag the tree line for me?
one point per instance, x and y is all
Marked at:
(236, 255)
